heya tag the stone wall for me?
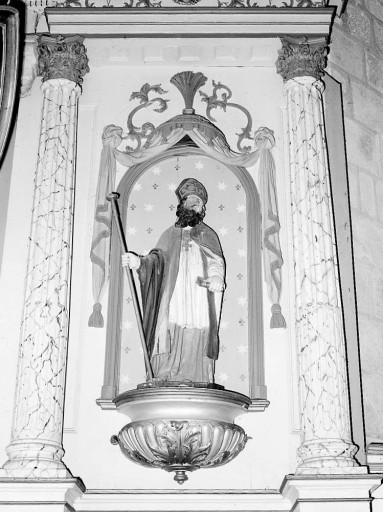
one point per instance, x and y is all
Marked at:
(356, 60)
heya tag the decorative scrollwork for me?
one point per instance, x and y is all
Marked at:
(237, 3)
(221, 100)
(142, 3)
(147, 130)
(186, 2)
(303, 3)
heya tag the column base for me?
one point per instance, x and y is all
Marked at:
(35, 460)
(42, 495)
(328, 457)
(330, 493)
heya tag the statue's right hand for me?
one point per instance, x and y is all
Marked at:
(131, 259)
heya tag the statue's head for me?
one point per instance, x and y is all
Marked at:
(192, 198)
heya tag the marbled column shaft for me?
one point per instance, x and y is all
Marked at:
(36, 444)
(326, 445)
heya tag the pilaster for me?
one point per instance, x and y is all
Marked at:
(326, 443)
(36, 441)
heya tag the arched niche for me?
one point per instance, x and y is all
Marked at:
(255, 335)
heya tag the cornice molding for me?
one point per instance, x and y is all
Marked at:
(62, 57)
(302, 56)
(189, 21)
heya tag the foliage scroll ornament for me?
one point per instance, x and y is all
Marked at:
(221, 100)
(301, 56)
(62, 57)
(147, 130)
(180, 446)
(223, 4)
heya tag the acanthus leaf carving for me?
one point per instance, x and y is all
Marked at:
(62, 57)
(180, 445)
(301, 56)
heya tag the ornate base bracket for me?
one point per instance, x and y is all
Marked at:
(181, 429)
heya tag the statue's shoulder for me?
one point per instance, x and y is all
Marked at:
(168, 238)
(206, 236)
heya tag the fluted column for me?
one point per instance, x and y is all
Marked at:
(36, 443)
(326, 443)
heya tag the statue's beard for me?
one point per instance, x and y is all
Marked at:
(187, 217)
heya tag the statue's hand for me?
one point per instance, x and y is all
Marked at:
(131, 259)
(214, 284)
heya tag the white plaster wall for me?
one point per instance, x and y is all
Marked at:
(118, 68)
(88, 428)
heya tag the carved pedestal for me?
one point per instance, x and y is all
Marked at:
(180, 428)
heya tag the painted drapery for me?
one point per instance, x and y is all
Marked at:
(213, 143)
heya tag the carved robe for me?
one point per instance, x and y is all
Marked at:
(180, 317)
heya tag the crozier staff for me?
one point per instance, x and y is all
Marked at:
(182, 281)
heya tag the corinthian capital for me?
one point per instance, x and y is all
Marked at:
(62, 57)
(302, 56)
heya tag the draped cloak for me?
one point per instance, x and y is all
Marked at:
(158, 274)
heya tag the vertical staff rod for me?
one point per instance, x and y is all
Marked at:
(113, 197)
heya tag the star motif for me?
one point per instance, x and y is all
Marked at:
(132, 230)
(242, 349)
(240, 229)
(133, 207)
(172, 187)
(137, 187)
(241, 208)
(222, 231)
(129, 300)
(222, 186)
(241, 301)
(155, 186)
(199, 165)
(238, 187)
(156, 171)
(222, 348)
(149, 230)
(239, 276)
(241, 253)
(171, 207)
(148, 207)
(127, 350)
(224, 325)
(125, 379)
(223, 377)
(242, 377)
(221, 207)
(127, 325)
(241, 322)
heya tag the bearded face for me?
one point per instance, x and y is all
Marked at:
(190, 212)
